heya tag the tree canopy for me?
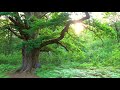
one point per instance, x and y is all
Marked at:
(60, 37)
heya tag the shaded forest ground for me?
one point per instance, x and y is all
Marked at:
(22, 75)
(69, 72)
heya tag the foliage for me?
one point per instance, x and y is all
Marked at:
(102, 29)
(87, 56)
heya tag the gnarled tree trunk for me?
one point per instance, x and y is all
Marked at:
(30, 60)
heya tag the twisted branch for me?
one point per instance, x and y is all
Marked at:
(62, 34)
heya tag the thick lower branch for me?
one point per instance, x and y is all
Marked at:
(52, 41)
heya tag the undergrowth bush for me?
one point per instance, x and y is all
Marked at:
(13, 59)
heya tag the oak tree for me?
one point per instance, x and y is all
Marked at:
(37, 30)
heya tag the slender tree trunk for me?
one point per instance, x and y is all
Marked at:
(30, 60)
(117, 32)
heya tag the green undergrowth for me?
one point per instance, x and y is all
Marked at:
(9, 63)
(96, 61)
(5, 69)
(77, 71)
(12, 59)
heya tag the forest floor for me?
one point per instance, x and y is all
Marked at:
(79, 72)
(22, 75)
(67, 72)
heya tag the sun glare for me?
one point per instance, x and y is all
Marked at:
(78, 27)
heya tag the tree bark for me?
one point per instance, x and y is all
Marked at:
(30, 60)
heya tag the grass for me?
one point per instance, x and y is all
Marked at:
(67, 70)
(78, 72)
(95, 62)
(9, 63)
(64, 70)
(98, 62)
(6, 68)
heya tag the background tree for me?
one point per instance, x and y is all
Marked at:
(6, 39)
(114, 21)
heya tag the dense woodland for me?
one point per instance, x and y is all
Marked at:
(59, 45)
